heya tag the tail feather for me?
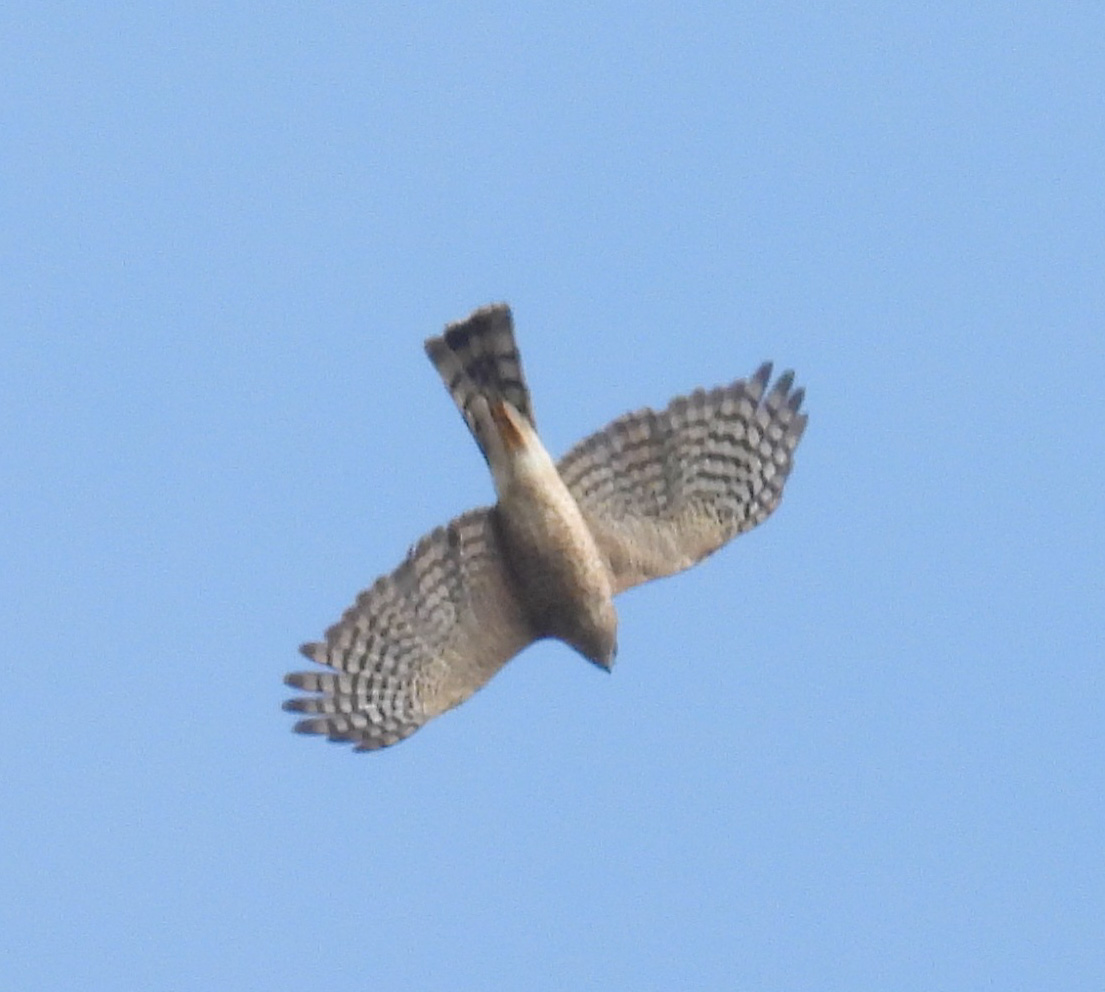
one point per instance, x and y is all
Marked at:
(479, 362)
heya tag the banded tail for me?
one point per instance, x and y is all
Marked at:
(479, 362)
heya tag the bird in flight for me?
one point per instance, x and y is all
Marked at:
(650, 494)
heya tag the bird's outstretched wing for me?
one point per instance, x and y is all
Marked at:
(661, 491)
(418, 641)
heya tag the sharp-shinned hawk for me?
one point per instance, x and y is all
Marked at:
(647, 496)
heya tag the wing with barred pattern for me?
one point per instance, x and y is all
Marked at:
(416, 643)
(661, 491)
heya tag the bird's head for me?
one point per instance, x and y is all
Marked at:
(597, 640)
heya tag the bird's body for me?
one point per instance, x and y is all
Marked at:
(560, 572)
(649, 495)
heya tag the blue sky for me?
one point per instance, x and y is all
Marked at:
(862, 748)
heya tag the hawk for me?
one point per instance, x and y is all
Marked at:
(647, 496)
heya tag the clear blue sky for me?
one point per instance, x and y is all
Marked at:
(862, 748)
